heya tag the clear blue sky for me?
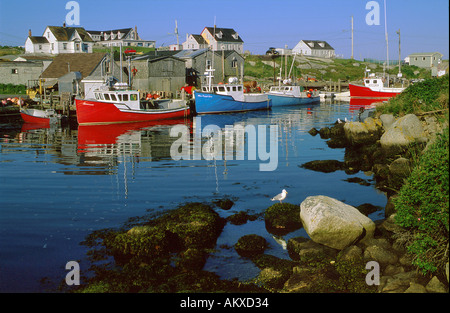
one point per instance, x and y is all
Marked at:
(424, 25)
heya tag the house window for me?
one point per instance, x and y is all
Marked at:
(415, 59)
(64, 46)
(40, 47)
(77, 47)
(208, 64)
(234, 63)
(14, 71)
(423, 58)
(53, 46)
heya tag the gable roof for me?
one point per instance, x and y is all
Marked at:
(38, 39)
(124, 31)
(199, 39)
(317, 44)
(85, 63)
(227, 34)
(65, 33)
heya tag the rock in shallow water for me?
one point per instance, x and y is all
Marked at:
(333, 223)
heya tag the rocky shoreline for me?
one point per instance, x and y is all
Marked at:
(167, 253)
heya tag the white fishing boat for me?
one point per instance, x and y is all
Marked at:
(292, 95)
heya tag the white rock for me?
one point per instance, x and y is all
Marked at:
(333, 223)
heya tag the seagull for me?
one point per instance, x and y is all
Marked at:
(281, 196)
(339, 120)
(346, 120)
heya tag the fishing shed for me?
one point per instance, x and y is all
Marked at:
(158, 72)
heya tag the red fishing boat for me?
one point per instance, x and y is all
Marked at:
(374, 87)
(43, 117)
(110, 106)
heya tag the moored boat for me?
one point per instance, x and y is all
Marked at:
(36, 116)
(374, 87)
(225, 98)
(124, 106)
(292, 95)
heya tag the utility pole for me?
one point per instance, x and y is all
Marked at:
(399, 54)
(352, 37)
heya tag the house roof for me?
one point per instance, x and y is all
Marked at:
(190, 54)
(38, 39)
(65, 33)
(115, 31)
(318, 44)
(224, 34)
(425, 54)
(85, 63)
(200, 40)
(155, 54)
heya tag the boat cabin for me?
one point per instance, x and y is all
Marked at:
(128, 98)
(375, 83)
(286, 90)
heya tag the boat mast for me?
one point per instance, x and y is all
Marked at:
(387, 42)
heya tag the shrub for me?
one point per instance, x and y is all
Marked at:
(428, 95)
(423, 207)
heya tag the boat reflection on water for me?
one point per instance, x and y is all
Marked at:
(364, 107)
(94, 138)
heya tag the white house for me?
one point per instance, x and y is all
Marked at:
(117, 37)
(57, 39)
(194, 42)
(223, 39)
(316, 48)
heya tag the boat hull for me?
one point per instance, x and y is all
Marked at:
(34, 116)
(366, 92)
(96, 112)
(215, 103)
(281, 100)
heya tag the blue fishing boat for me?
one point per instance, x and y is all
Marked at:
(292, 95)
(225, 98)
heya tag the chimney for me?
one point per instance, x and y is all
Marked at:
(135, 33)
(29, 33)
(64, 24)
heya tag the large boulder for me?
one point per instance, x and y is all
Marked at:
(333, 223)
(403, 132)
(359, 133)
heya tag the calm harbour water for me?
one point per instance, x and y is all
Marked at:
(57, 185)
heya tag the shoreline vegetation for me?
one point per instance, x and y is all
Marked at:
(405, 146)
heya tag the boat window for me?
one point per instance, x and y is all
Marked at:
(367, 81)
(375, 81)
(96, 96)
(125, 97)
(113, 97)
(107, 96)
(133, 97)
(119, 97)
(221, 88)
(234, 88)
(239, 88)
(100, 95)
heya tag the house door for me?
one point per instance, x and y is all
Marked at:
(166, 85)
